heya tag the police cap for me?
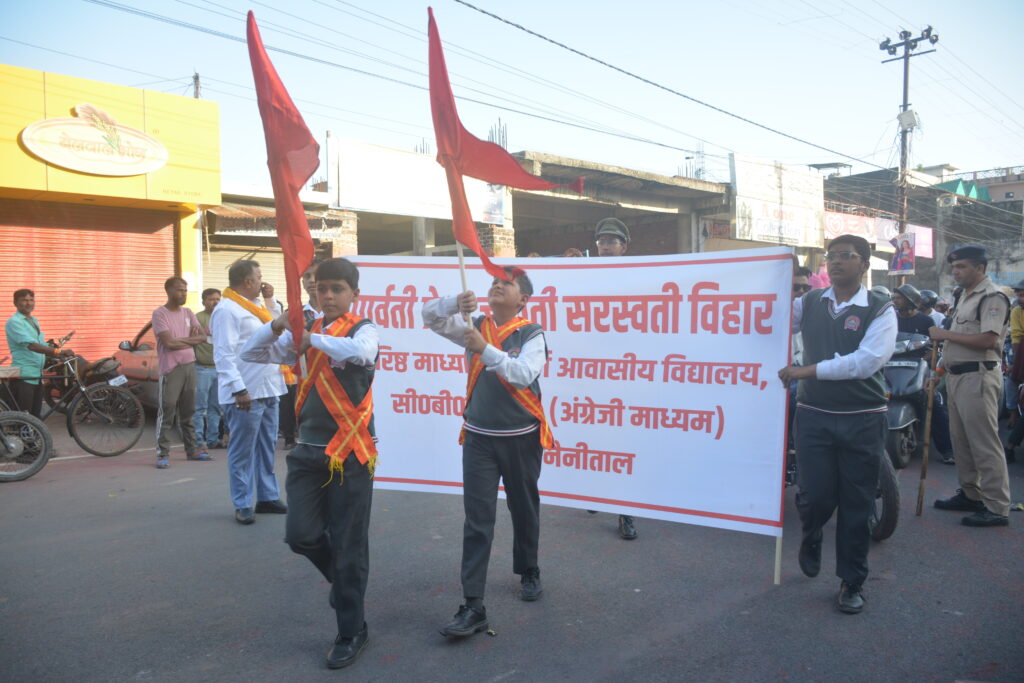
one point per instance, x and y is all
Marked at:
(613, 227)
(973, 252)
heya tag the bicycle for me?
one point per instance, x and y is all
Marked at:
(25, 445)
(103, 417)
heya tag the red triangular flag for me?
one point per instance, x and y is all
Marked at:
(292, 156)
(463, 154)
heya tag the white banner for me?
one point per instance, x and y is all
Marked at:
(661, 387)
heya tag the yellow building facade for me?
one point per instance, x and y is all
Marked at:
(101, 189)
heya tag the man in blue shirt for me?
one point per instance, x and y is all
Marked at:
(28, 351)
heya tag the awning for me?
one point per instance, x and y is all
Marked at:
(260, 219)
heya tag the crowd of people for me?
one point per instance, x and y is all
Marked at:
(232, 363)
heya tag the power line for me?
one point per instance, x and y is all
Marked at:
(660, 86)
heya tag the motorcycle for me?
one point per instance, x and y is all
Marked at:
(906, 374)
(25, 445)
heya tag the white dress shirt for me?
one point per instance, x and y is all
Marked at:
(443, 317)
(266, 347)
(875, 348)
(231, 327)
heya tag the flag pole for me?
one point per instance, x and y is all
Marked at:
(462, 272)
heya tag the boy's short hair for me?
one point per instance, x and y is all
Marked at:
(339, 269)
(802, 271)
(859, 244)
(521, 279)
(18, 293)
(208, 291)
(171, 281)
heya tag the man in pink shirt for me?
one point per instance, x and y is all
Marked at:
(177, 331)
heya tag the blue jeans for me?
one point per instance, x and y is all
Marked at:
(207, 416)
(251, 452)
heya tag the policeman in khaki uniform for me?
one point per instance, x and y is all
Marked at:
(971, 357)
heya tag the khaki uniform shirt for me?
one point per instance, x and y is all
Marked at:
(966, 321)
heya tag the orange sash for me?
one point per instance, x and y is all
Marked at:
(264, 315)
(530, 402)
(353, 421)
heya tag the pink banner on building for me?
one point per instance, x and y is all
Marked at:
(837, 224)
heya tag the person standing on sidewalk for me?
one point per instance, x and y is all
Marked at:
(971, 356)
(849, 333)
(177, 334)
(248, 394)
(207, 417)
(28, 352)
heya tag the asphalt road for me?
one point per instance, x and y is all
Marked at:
(115, 571)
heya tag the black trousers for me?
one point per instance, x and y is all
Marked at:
(837, 466)
(286, 416)
(28, 396)
(516, 461)
(330, 525)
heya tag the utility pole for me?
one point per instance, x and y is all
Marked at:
(195, 84)
(908, 119)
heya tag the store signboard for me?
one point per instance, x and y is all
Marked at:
(776, 203)
(837, 224)
(94, 142)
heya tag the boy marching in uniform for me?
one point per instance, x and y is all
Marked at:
(504, 434)
(330, 471)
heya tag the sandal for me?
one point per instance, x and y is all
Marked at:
(162, 463)
(203, 456)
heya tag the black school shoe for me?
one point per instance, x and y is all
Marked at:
(810, 555)
(468, 620)
(959, 501)
(627, 527)
(347, 650)
(530, 586)
(274, 507)
(985, 517)
(851, 599)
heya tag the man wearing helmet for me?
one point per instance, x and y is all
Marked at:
(906, 299)
(928, 301)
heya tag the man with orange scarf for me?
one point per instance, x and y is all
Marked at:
(330, 470)
(248, 394)
(504, 434)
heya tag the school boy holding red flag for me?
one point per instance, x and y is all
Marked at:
(504, 434)
(330, 470)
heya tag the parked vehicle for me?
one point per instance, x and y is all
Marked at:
(103, 417)
(906, 374)
(139, 363)
(25, 445)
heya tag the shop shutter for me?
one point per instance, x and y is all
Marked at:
(97, 270)
(218, 259)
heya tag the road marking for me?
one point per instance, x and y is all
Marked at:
(179, 481)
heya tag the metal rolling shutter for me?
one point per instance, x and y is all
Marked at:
(218, 259)
(97, 270)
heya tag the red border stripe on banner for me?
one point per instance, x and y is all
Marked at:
(591, 499)
(576, 266)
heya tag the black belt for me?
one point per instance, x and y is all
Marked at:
(961, 368)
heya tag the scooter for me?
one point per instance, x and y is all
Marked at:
(905, 376)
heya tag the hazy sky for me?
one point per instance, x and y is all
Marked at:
(809, 69)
